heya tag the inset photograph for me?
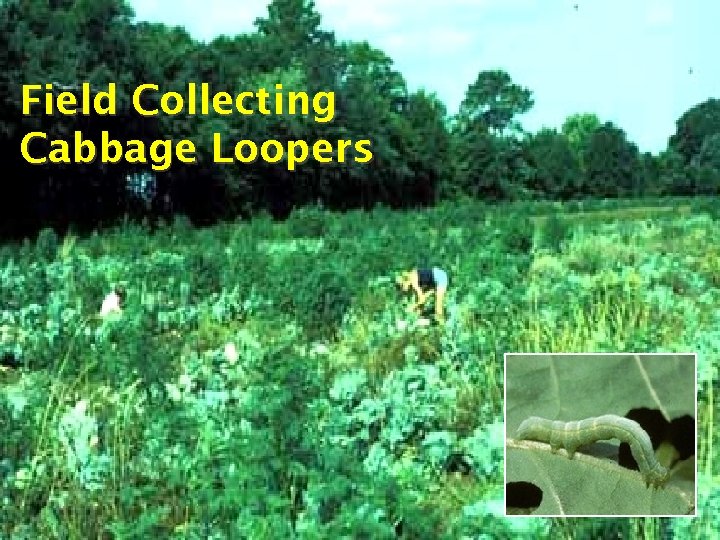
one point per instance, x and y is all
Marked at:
(600, 434)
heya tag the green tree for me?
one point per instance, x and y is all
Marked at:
(613, 164)
(709, 153)
(674, 175)
(427, 144)
(694, 126)
(371, 98)
(555, 169)
(488, 161)
(578, 128)
(290, 28)
(493, 100)
(64, 43)
(491, 167)
(707, 165)
(651, 170)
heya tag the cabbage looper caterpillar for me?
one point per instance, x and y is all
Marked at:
(571, 435)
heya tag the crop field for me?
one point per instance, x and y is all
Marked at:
(265, 380)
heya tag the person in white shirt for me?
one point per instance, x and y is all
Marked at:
(113, 302)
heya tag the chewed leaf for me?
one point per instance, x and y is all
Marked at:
(581, 486)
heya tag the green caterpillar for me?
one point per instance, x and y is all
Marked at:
(571, 435)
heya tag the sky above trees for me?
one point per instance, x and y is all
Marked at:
(638, 64)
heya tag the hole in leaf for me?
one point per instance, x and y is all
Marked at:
(682, 435)
(522, 497)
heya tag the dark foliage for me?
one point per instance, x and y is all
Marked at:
(419, 152)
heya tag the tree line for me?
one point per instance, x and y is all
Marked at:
(421, 153)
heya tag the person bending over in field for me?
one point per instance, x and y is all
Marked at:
(113, 302)
(425, 282)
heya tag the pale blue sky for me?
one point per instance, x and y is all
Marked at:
(628, 61)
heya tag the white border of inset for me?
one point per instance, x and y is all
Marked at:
(525, 516)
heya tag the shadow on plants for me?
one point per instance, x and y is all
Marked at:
(321, 303)
(10, 361)
(517, 235)
(392, 354)
(461, 463)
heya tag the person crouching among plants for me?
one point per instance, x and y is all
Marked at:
(425, 282)
(112, 304)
